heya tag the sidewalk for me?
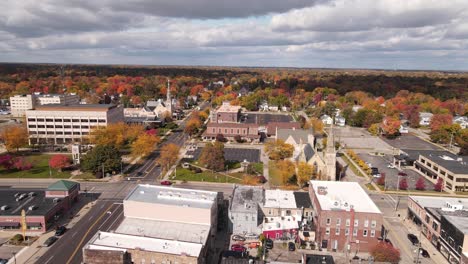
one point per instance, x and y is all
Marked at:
(35, 250)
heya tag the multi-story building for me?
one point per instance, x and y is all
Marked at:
(21, 103)
(433, 164)
(226, 113)
(245, 214)
(281, 203)
(443, 221)
(230, 130)
(345, 218)
(63, 124)
(160, 225)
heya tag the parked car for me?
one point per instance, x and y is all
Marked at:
(291, 246)
(168, 183)
(269, 243)
(391, 166)
(60, 230)
(238, 248)
(51, 240)
(424, 253)
(254, 244)
(3, 261)
(402, 174)
(238, 238)
(413, 238)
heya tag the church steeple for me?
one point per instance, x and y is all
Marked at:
(330, 156)
(168, 97)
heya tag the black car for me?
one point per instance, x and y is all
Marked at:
(269, 243)
(414, 239)
(50, 241)
(60, 230)
(3, 261)
(291, 246)
(424, 253)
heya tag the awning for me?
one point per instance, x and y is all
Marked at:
(34, 224)
(9, 224)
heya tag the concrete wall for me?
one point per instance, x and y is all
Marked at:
(91, 256)
(283, 212)
(245, 222)
(138, 256)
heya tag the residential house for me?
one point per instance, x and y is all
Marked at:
(425, 118)
(326, 119)
(461, 120)
(281, 227)
(340, 121)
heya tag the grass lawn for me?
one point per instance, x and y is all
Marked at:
(351, 165)
(370, 187)
(258, 167)
(275, 178)
(40, 169)
(188, 175)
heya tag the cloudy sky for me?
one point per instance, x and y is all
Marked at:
(392, 34)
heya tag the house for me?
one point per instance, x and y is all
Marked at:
(356, 108)
(461, 120)
(156, 229)
(404, 127)
(281, 203)
(274, 108)
(285, 108)
(244, 213)
(326, 119)
(340, 121)
(425, 118)
(345, 217)
(281, 227)
(442, 221)
(263, 106)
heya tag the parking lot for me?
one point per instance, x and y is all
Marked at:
(408, 141)
(231, 154)
(360, 140)
(391, 175)
(264, 119)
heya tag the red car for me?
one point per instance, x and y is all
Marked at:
(166, 183)
(238, 248)
(402, 174)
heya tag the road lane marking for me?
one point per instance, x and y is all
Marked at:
(87, 233)
(74, 234)
(110, 227)
(49, 259)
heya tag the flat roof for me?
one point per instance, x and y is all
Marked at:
(343, 195)
(302, 200)
(279, 199)
(165, 230)
(246, 198)
(172, 196)
(438, 201)
(74, 107)
(227, 107)
(460, 222)
(114, 241)
(443, 158)
(280, 223)
(42, 204)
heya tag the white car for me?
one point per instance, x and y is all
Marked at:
(391, 166)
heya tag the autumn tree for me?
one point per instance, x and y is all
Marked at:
(14, 137)
(169, 154)
(439, 120)
(403, 184)
(22, 164)
(7, 161)
(316, 125)
(385, 252)
(285, 169)
(117, 135)
(59, 161)
(192, 126)
(391, 126)
(374, 129)
(102, 158)
(304, 173)
(278, 150)
(212, 156)
(439, 186)
(420, 184)
(144, 145)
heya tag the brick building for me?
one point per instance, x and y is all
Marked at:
(345, 218)
(230, 130)
(42, 207)
(226, 113)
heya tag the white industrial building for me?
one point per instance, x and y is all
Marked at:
(21, 103)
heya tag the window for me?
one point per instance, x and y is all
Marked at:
(66, 126)
(103, 121)
(328, 221)
(428, 219)
(253, 218)
(364, 232)
(49, 120)
(373, 224)
(327, 231)
(366, 223)
(356, 222)
(75, 120)
(50, 126)
(288, 212)
(372, 233)
(306, 213)
(76, 126)
(435, 225)
(58, 120)
(66, 120)
(346, 231)
(355, 232)
(337, 231)
(348, 222)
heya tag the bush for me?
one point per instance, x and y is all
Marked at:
(403, 184)
(421, 184)
(439, 185)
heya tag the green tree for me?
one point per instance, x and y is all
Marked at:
(212, 156)
(102, 158)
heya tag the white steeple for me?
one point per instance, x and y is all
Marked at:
(168, 97)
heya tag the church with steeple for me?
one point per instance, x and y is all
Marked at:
(324, 162)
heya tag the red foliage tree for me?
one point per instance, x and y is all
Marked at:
(59, 161)
(7, 161)
(421, 184)
(439, 185)
(391, 126)
(439, 120)
(152, 132)
(385, 252)
(22, 164)
(403, 185)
